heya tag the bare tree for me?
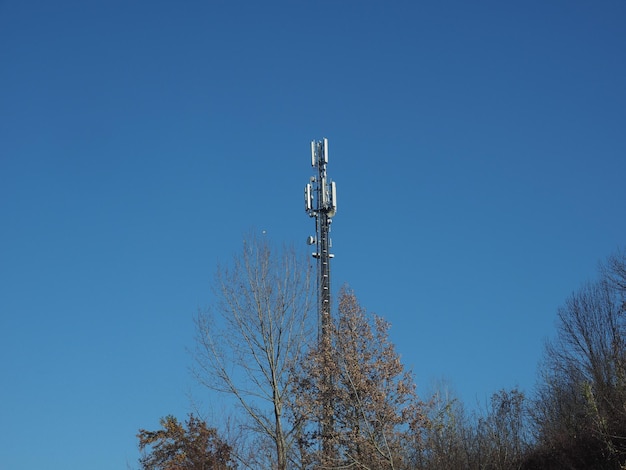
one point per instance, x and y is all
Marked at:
(580, 411)
(501, 434)
(614, 271)
(248, 342)
(494, 438)
(449, 440)
(377, 416)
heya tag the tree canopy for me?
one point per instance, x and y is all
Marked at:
(190, 446)
(345, 400)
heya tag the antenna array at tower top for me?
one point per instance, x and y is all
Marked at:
(320, 196)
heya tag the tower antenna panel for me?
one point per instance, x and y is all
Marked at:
(308, 199)
(333, 199)
(313, 152)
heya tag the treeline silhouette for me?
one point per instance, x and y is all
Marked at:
(351, 404)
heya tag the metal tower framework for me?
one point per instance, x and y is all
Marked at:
(320, 199)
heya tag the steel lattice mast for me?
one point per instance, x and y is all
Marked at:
(320, 197)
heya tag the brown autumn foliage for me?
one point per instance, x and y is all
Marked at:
(193, 446)
(376, 414)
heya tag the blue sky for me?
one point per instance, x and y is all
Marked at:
(478, 149)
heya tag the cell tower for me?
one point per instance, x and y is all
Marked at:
(320, 201)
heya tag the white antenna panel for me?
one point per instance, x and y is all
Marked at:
(325, 150)
(333, 200)
(307, 197)
(313, 159)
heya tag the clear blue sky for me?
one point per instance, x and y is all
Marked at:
(479, 150)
